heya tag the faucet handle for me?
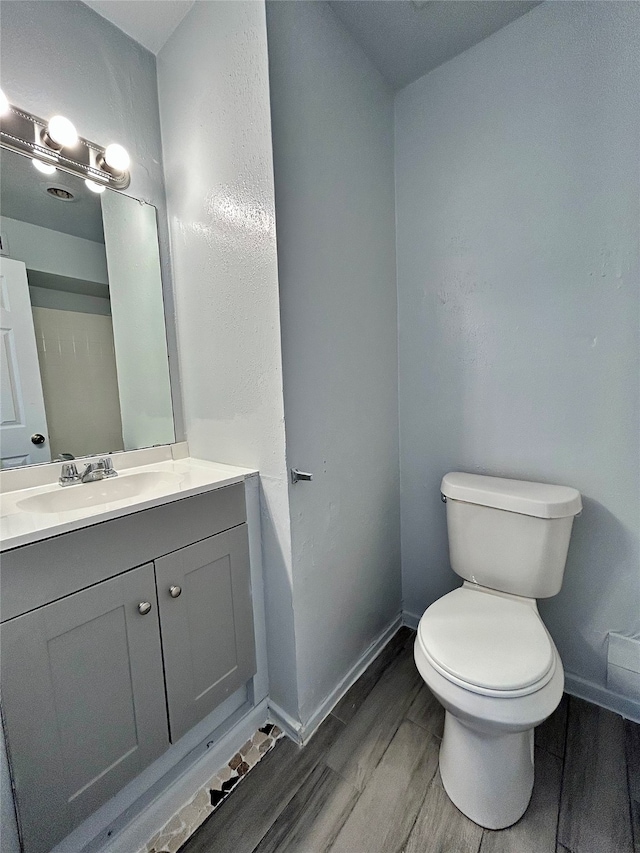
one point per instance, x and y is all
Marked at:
(107, 465)
(69, 474)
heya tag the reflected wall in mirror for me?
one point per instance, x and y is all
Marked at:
(84, 365)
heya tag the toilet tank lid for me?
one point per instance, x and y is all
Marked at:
(539, 499)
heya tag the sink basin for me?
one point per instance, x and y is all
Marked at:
(83, 495)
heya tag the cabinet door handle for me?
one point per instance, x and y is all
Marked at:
(174, 591)
(144, 607)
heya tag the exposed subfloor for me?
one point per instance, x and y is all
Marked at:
(368, 781)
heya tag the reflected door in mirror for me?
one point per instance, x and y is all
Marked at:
(23, 424)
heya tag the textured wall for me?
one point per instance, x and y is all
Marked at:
(216, 133)
(64, 58)
(333, 155)
(517, 213)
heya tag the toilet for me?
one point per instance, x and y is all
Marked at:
(483, 650)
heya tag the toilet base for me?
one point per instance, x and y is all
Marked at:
(487, 775)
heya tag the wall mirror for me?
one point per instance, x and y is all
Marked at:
(83, 352)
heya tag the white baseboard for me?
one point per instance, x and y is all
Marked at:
(302, 732)
(583, 689)
(146, 824)
(290, 726)
(410, 619)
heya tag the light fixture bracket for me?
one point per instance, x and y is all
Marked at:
(26, 134)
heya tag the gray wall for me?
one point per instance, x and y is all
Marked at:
(517, 213)
(64, 58)
(216, 133)
(333, 156)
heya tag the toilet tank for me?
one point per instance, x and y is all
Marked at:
(509, 535)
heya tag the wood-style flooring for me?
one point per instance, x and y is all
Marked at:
(368, 781)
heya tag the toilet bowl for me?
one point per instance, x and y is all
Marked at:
(483, 650)
(486, 756)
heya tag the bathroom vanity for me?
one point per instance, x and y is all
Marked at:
(130, 606)
(121, 629)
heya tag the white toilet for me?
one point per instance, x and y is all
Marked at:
(483, 649)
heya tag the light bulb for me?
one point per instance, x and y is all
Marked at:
(4, 103)
(62, 132)
(45, 168)
(94, 186)
(116, 157)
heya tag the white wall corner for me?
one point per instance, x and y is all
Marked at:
(411, 620)
(300, 732)
(290, 726)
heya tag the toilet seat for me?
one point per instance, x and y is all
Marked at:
(488, 644)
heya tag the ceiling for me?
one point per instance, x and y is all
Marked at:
(149, 22)
(24, 196)
(404, 39)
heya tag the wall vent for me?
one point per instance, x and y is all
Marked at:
(623, 665)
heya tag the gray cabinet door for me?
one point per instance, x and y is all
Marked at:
(207, 629)
(83, 700)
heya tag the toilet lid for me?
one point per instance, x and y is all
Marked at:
(486, 640)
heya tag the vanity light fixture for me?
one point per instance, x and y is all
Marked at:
(41, 166)
(95, 187)
(116, 159)
(55, 144)
(60, 133)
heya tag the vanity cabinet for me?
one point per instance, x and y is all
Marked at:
(82, 690)
(207, 627)
(97, 683)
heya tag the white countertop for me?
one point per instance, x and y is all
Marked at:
(189, 477)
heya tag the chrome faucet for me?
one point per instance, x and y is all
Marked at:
(99, 470)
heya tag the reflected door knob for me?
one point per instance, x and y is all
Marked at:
(174, 591)
(144, 607)
(38, 438)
